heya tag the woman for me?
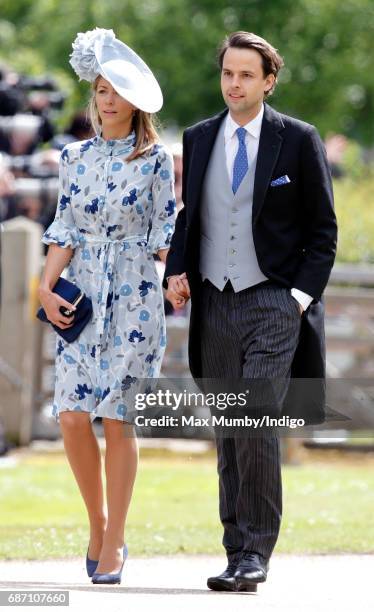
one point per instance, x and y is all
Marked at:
(115, 211)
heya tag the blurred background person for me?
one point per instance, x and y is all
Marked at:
(177, 153)
(336, 146)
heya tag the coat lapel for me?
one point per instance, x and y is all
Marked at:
(200, 155)
(268, 151)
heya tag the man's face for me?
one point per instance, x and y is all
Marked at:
(243, 82)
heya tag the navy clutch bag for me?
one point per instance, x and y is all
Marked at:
(71, 293)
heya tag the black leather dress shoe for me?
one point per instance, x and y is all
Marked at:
(225, 581)
(252, 569)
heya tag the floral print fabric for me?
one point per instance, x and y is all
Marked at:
(115, 215)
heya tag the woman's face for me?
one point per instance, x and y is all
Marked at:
(114, 111)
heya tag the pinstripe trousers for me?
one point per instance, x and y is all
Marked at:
(250, 334)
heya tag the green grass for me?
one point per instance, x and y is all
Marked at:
(354, 210)
(327, 509)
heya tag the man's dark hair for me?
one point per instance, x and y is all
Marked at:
(272, 62)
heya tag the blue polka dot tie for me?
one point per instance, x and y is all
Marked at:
(241, 160)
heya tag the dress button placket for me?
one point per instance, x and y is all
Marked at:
(108, 249)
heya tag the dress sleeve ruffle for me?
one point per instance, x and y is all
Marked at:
(63, 230)
(164, 205)
(160, 238)
(62, 234)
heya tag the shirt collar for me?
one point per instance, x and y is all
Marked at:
(253, 127)
(119, 146)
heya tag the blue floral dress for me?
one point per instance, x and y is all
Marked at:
(115, 215)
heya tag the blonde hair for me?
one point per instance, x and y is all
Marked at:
(143, 123)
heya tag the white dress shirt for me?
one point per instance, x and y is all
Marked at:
(252, 139)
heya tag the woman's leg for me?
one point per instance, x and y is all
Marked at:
(121, 461)
(83, 453)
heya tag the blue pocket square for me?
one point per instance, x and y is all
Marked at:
(282, 180)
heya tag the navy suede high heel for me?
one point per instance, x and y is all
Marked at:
(91, 565)
(111, 578)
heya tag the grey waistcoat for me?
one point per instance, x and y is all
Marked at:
(227, 250)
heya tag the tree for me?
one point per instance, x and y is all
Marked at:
(326, 44)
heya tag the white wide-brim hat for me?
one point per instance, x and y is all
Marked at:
(99, 52)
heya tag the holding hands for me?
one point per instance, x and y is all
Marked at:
(178, 292)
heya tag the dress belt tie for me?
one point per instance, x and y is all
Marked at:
(108, 266)
(103, 239)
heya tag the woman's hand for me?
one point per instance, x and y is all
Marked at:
(51, 303)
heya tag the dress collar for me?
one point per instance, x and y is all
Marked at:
(119, 146)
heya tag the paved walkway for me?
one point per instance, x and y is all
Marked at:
(328, 583)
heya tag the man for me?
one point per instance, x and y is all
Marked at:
(254, 246)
